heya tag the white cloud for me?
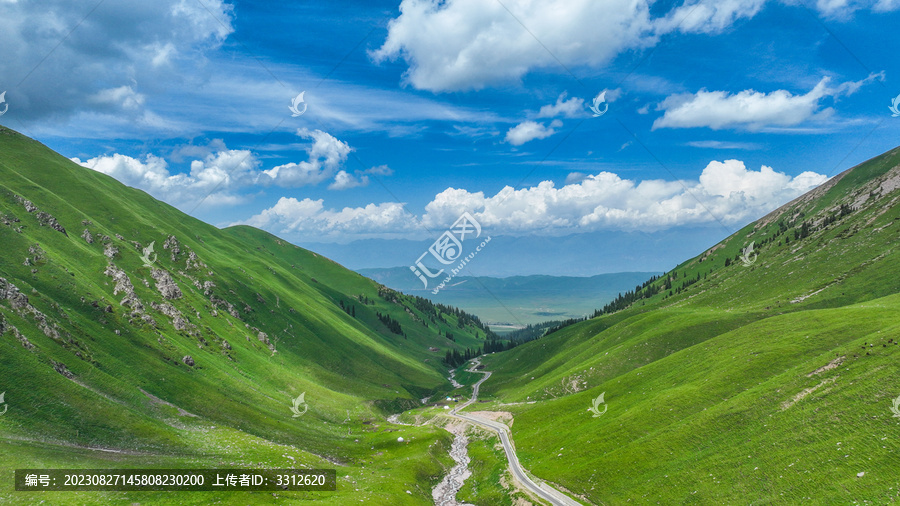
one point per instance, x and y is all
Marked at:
(457, 45)
(123, 98)
(843, 9)
(215, 177)
(725, 192)
(326, 155)
(470, 44)
(571, 108)
(708, 16)
(290, 216)
(223, 173)
(111, 58)
(531, 130)
(380, 170)
(750, 109)
(886, 5)
(344, 181)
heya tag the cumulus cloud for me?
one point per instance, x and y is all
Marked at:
(221, 173)
(570, 108)
(290, 216)
(326, 155)
(111, 58)
(343, 180)
(326, 158)
(531, 130)
(750, 109)
(726, 192)
(472, 44)
(217, 176)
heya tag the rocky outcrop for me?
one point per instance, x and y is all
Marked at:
(216, 302)
(166, 285)
(47, 220)
(27, 204)
(178, 319)
(262, 336)
(9, 220)
(188, 360)
(61, 368)
(88, 238)
(193, 261)
(44, 219)
(19, 302)
(123, 285)
(110, 251)
(5, 327)
(10, 292)
(166, 309)
(171, 244)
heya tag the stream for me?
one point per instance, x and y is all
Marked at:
(444, 493)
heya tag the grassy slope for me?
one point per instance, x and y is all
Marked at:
(712, 393)
(238, 393)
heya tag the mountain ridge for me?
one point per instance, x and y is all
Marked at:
(766, 376)
(191, 355)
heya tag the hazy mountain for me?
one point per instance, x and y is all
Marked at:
(518, 300)
(579, 255)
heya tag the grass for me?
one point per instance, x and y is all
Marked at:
(719, 391)
(491, 482)
(128, 388)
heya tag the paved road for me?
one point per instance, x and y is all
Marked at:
(543, 490)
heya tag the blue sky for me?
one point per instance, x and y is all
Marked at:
(417, 111)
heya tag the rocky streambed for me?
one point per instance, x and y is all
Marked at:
(444, 493)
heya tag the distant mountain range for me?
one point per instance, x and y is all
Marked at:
(518, 300)
(584, 254)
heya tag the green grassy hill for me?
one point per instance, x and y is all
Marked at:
(762, 380)
(193, 359)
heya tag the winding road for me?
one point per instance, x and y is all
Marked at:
(542, 490)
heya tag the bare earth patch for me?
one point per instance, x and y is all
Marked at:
(834, 364)
(495, 416)
(157, 400)
(806, 391)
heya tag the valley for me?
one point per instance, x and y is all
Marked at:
(134, 336)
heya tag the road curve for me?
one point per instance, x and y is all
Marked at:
(543, 490)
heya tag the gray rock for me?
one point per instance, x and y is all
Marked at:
(47, 220)
(172, 244)
(166, 285)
